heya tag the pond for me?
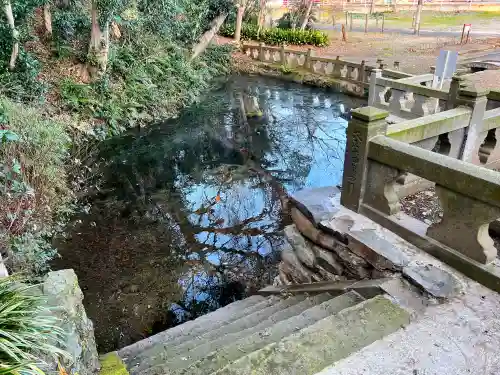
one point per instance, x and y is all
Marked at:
(187, 215)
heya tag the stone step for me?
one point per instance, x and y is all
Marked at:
(161, 353)
(239, 348)
(216, 318)
(322, 344)
(207, 345)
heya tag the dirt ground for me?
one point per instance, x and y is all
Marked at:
(415, 54)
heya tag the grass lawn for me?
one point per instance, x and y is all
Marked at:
(430, 19)
(441, 19)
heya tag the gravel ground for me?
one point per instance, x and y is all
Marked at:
(415, 53)
(425, 206)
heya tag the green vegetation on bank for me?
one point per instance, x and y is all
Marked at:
(136, 67)
(33, 192)
(277, 36)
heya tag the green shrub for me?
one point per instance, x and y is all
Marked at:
(42, 150)
(276, 36)
(147, 79)
(27, 330)
(33, 189)
(30, 253)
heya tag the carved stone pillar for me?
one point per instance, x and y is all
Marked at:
(397, 101)
(380, 192)
(464, 226)
(365, 124)
(337, 68)
(373, 94)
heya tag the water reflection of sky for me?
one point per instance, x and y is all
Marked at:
(306, 136)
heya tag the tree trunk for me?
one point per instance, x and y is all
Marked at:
(208, 36)
(372, 7)
(307, 15)
(418, 16)
(262, 15)
(15, 34)
(47, 19)
(239, 21)
(99, 45)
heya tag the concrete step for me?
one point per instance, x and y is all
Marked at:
(163, 354)
(205, 346)
(216, 318)
(217, 359)
(322, 344)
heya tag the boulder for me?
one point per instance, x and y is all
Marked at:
(316, 204)
(301, 248)
(65, 298)
(327, 260)
(293, 268)
(435, 281)
(377, 251)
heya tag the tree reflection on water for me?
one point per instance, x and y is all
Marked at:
(189, 214)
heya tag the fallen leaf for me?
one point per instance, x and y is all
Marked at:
(61, 369)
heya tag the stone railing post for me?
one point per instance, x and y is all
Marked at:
(365, 124)
(464, 226)
(307, 62)
(372, 92)
(456, 85)
(261, 51)
(476, 100)
(337, 68)
(282, 55)
(362, 71)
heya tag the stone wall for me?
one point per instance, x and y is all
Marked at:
(314, 252)
(65, 298)
(329, 242)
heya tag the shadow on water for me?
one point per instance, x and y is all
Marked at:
(188, 216)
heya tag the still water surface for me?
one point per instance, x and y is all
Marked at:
(188, 216)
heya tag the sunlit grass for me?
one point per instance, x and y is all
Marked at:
(444, 19)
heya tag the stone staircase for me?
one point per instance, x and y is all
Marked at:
(276, 334)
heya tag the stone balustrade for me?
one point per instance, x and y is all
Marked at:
(406, 98)
(357, 73)
(493, 100)
(466, 130)
(469, 195)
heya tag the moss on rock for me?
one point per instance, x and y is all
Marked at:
(112, 364)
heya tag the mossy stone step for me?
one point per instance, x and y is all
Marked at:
(220, 358)
(322, 344)
(205, 346)
(198, 326)
(161, 353)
